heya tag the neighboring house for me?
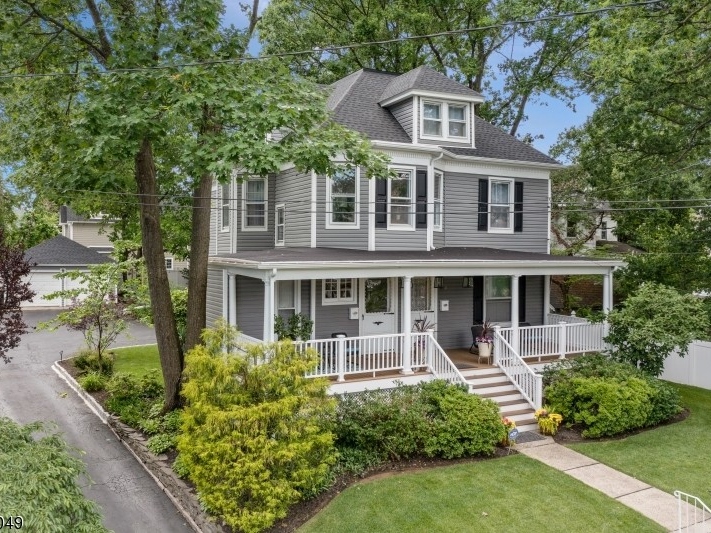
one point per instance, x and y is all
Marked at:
(51, 257)
(461, 235)
(94, 232)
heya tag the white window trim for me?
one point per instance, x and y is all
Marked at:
(297, 297)
(339, 300)
(224, 202)
(438, 227)
(329, 206)
(277, 242)
(265, 201)
(509, 229)
(172, 263)
(444, 118)
(488, 285)
(413, 182)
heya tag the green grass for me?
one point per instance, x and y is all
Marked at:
(510, 494)
(138, 360)
(673, 457)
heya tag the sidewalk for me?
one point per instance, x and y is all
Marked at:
(645, 499)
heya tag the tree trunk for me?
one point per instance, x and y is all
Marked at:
(199, 251)
(171, 356)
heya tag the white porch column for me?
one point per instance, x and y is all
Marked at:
(406, 325)
(546, 298)
(607, 292)
(232, 299)
(268, 328)
(514, 313)
(312, 308)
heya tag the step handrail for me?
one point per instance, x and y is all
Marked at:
(441, 366)
(522, 376)
(701, 512)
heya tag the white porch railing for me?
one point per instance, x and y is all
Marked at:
(693, 515)
(344, 356)
(529, 384)
(441, 365)
(559, 339)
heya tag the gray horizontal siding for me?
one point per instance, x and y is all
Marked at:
(257, 240)
(213, 222)
(293, 189)
(214, 295)
(224, 236)
(333, 318)
(351, 238)
(462, 190)
(453, 325)
(402, 112)
(250, 306)
(400, 240)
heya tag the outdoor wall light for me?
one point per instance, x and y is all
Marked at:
(439, 282)
(467, 281)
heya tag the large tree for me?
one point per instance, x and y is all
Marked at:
(530, 60)
(147, 99)
(647, 145)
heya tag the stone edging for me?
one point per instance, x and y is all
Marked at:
(179, 493)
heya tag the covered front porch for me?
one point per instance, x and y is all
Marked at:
(377, 312)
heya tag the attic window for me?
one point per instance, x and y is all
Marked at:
(445, 120)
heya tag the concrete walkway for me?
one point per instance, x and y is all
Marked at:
(653, 503)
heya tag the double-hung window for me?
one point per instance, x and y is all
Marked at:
(400, 199)
(501, 205)
(225, 206)
(287, 298)
(169, 263)
(279, 225)
(343, 198)
(438, 199)
(445, 120)
(338, 291)
(254, 208)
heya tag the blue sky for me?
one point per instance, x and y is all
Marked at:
(548, 117)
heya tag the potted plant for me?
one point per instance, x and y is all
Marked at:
(548, 421)
(509, 425)
(485, 339)
(423, 325)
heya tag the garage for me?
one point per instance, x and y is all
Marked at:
(55, 255)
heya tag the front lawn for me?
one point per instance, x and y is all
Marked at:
(510, 494)
(673, 457)
(138, 360)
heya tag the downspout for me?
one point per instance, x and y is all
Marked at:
(430, 201)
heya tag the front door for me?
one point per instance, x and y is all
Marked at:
(377, 307)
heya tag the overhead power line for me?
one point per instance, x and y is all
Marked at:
(340, 47)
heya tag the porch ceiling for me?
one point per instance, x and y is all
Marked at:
(311, 263)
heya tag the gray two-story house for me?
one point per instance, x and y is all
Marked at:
(460, 236)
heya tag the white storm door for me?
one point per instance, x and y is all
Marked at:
(377, 307)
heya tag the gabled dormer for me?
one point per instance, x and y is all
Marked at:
(431, 108)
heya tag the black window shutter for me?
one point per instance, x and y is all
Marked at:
(381, 203)
(518, 206)
(483, 205)
(522, 299)
(421, 191)
(478, 300)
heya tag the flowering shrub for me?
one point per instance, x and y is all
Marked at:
(508, 425)
(548, 421)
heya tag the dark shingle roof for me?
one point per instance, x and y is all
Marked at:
(67, 214)
(304, 256)
(425, 79)
(61, 251)
(492, 142)
(354, 104)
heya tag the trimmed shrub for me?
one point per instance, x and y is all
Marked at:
(92, 382)
(433, 419)
(605, 406)
(666, 402)
(88, 361)
(131, 398)
(255, 432)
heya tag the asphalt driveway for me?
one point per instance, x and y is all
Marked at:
(30, 390)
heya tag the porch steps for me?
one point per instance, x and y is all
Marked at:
(492, 383)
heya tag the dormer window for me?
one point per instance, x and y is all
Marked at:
(445, 120)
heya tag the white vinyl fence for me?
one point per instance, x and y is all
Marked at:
(693, 369)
